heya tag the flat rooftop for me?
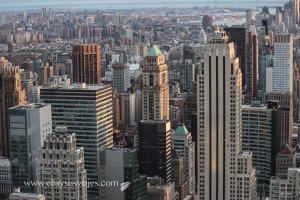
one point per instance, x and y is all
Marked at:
(30, 106)
(77, 86)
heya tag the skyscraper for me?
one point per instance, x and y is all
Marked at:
(5, 178)
(285, 101)
(155, 149)
(249, 18)
(252, 62)
(60, 161)
(11, 94)
(296, 11)
(286, 188)
(120, 165)
(87, 63)
(181, 185)
(29, 125)
(185, 147)
(121, 77)
(207, 22)
(155, 88)
(261, 132)
(238, 37)
(127, 108)
(187, 81)
(282, 79)
(87, 111)
(219, 97)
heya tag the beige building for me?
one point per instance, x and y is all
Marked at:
(219, 97)
(17, 195)
(288, 188)
(61, 162)
(155, 86)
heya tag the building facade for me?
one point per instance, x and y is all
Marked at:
(154, 148)
(127, 108)
(121, 77)
(219, 97)
(11, 94)
(288, 188)
(259, 130)
(60, 161)
(90, 108)
(29, 126)
(5, 178)
(185, 147)
(238, 37)
(283, 62)
(87, 63)
(120, 165)
(188, 72)
(155, 86)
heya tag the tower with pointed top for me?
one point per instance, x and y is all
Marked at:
(155, 94)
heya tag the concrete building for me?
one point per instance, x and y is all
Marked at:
(296, 11)
(29, 126)
(285, 101)
(182, 143)
(120, 166)
(174, 116)
(159, 190)
(11, 94)
(288, 188)
(155, 89)
(45, 72)
(87, 63)
(127, 108)
(219, 98)
(116, 109)
(26, 196)
(265, 67)
(238, 37)
(282, 79)
(285, 159)
(246, 179)
(252, 62)
(249, 18)
(261, 134)
(181, 185)
(154, 148)
(5, 178)
(121, 77)
(60, 161)
(188, 76)
(90, 108)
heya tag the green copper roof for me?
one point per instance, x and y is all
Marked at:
(181, 130)
(154, 51)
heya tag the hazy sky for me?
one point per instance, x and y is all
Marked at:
(10, 2)
(39, 3)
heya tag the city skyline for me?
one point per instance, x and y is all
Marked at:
(128, 4)
(181, 100)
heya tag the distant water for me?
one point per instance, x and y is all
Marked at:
(94, 5)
